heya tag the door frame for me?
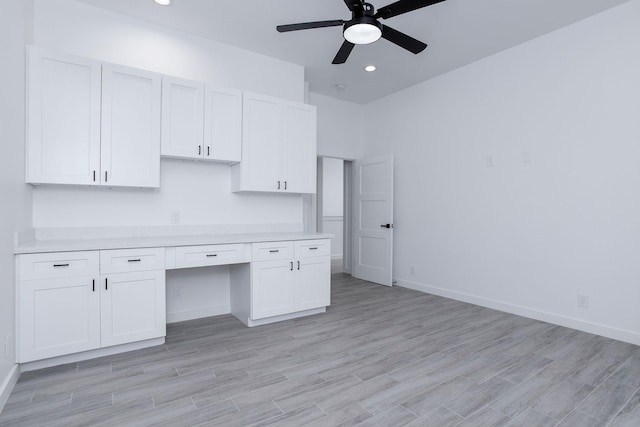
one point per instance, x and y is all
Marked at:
(313, 204)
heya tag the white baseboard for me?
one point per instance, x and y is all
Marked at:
(6, 387)
(198, 314)
(557, 319)
(90, 354)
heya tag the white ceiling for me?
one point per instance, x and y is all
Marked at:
(458, 32)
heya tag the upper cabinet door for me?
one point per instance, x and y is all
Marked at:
(63, 120)
(299, 147)
(223, 125)
(130, 127)
(261, 165)
(182, 118)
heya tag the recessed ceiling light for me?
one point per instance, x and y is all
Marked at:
(163, 2)
(370, 68)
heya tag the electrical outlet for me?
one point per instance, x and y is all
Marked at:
(583, 301)
(526, 156)
(175, 218)
(412, 269)
(177, 293)
(490, 161)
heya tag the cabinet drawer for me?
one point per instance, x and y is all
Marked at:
(267, 251)
(313, 248)
(59, 264)
(201, 256)
(124, 260)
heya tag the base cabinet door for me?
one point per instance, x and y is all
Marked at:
(133, 307)
(57, 317)
(273, 288)
(312, 283)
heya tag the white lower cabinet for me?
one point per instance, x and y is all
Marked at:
(66, 306)
(273, 288)
(58, 316)
(132, 307)
(290, 285)
(312, 290)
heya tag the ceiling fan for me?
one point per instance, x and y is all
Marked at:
(364, 26)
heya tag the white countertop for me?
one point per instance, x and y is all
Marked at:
(68, 245)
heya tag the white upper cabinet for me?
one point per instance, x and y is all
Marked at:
(130, 127)
(299, 147)
(182, 117)
(63, 127)
(223, 125)
(278, 146)
(91, 123)
(200, 122)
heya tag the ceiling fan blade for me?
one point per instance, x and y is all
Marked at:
(403, 40)
(353, 5)
(343, 53)
(308, 25)
(403, 6)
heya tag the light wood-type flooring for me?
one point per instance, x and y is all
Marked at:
(379, 357)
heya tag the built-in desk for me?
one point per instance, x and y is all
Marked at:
(84, 298)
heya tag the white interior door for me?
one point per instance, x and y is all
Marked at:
(373, 219)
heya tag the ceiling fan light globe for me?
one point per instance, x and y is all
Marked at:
(363, 32)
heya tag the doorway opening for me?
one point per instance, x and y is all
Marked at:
(333, 209)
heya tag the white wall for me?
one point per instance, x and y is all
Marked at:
(340, 127)
(332, 187)
(199, 191)
(526, 237)
(15, 24)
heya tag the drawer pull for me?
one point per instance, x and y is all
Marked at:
(211, 255)
(106, 284)
(313, 249)
(291, 262)
(274, 251)
(298, 265)
(61, 265)
(94, 285)
(134, 260)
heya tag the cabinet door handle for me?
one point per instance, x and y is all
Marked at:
(199, 150)
(313, 249)
(291, 265)
(106, 176)
(211, 255)
(278, 185)
(134, 260)
(94, 285)
(94, 176)
(208, 152)
(274, 251)
(298, 265)
(106, 284)
(61, 265)
(285, 185)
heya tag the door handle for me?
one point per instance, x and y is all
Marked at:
(387, 226)
(298, 265)
(278, 185)
(291, 262)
